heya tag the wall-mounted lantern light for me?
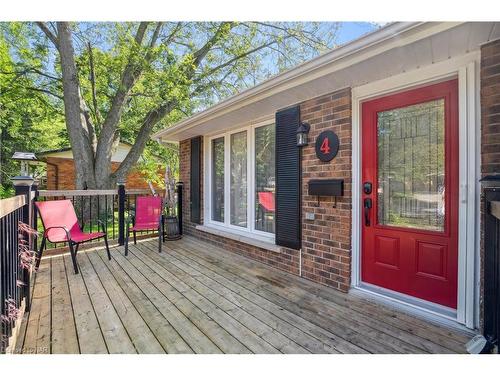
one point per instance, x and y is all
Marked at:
(302, 132)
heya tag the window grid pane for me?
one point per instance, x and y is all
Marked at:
(218, 180)
(265, 178)
(238, 183)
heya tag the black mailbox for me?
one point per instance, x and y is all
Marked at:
(330, 188)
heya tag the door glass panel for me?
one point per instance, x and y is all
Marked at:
(239, 179)
(411, 168)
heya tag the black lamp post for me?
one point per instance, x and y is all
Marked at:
(302, 132)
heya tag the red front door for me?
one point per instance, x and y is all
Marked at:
(410, 192)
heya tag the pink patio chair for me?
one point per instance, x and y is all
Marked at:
(61, 225)
(266, 200)
(266, 204)
(148, 217)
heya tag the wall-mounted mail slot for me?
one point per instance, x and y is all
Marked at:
(326, 188)
(331, 188)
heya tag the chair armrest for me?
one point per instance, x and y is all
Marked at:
(68, 235)
(98, 221)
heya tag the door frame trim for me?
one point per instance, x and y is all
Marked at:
(465, 68)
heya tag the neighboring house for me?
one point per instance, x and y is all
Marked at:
(415, 113)
(61, 168)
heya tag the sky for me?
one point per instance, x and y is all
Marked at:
(353, 30)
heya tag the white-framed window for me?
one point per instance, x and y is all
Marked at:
(241, 180)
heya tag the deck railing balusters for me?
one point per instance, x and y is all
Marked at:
(14, 279)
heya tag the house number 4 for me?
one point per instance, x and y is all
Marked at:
(327, 145)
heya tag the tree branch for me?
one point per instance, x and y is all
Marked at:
(45, 92)
(236, 58)
(141, 30)
(293, 35)
(151, 119)
(172, 34)
(92, 83)
(129, 77)
(200, 54)
(48, 33)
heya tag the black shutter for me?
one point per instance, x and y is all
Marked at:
(195, 199)
(288, 179)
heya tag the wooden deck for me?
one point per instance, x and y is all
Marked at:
(196, 298)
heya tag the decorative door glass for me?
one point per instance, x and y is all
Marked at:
(411, 166)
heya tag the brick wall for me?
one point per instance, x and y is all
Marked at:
(61, 175)
(490, 108)
(326, 240)
(490, 130)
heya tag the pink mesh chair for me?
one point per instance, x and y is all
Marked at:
(266, 205)
(266, 200)
(148, 217)
(61, 225)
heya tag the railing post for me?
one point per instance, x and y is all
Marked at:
(180, 188)
(121, 213)
(491, 284)
(24, 185)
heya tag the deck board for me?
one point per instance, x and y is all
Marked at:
(380, 332)
(141, 335)
(353, 307)
(196, 298)
(64, 335)
(90, 338)
(113, 330)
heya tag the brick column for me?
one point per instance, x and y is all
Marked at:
(490, 108)
(490, 131)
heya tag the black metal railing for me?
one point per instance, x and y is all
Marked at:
(492, 265)
(14, 278)
(112, 207)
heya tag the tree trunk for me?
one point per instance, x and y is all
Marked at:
(78, 131)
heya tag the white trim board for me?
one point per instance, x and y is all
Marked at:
(465, 68)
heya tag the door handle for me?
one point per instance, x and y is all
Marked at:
(367, 206)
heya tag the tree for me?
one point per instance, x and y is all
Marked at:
(126, 79)
(28, 119)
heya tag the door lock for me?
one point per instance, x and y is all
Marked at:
(367, 187)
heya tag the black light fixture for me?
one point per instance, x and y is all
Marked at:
(302, 132)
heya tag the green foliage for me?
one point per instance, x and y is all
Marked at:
(29, 119)
(191, 66)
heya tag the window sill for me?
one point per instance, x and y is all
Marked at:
(261, 242)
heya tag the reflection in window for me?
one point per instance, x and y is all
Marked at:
(265, 178)
(238, 172)
(411, 169)
(218, 179)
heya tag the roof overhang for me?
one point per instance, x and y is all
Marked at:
(390, 50)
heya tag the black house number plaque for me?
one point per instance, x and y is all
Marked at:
(327, 145)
